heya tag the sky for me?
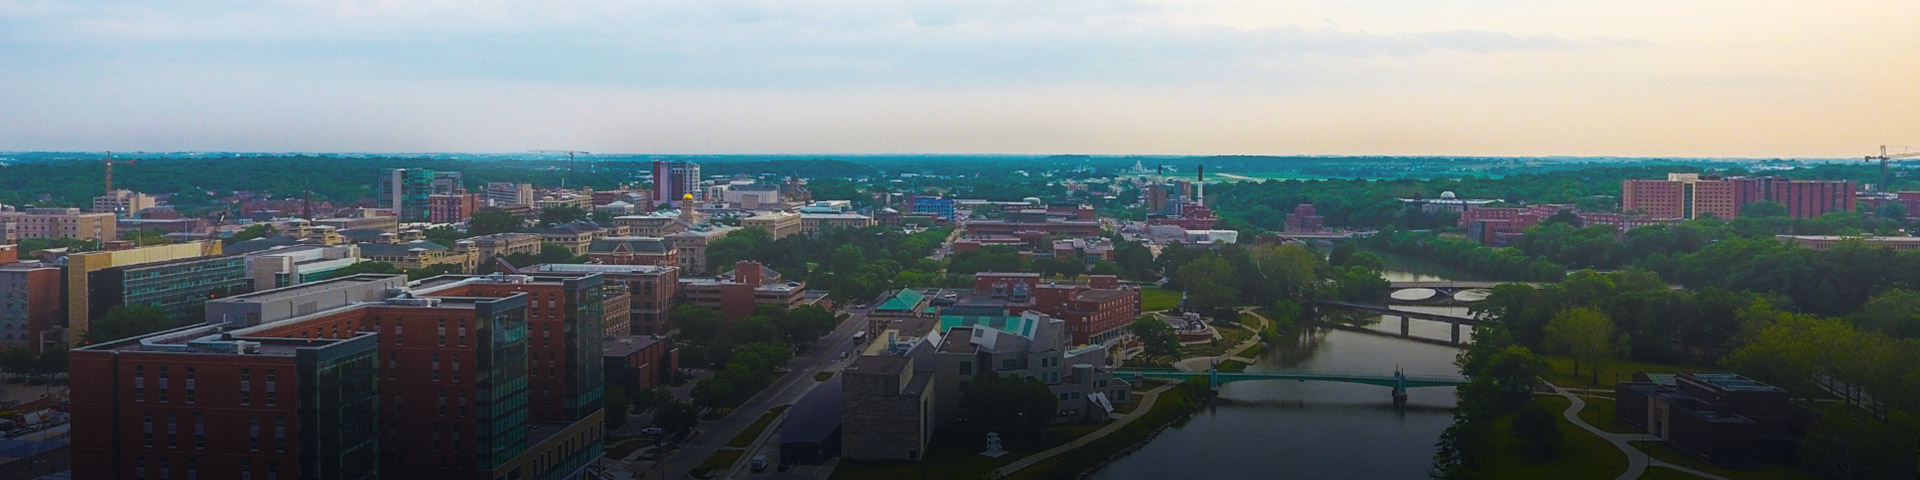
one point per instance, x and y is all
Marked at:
(1698, 78)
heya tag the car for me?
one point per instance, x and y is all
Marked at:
(654, 431)
(859, 306)
(843, 354)
(759, 463)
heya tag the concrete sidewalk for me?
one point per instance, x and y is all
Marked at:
(1637, 461)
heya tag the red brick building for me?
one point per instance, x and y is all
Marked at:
(1096, 312)
(735, 293)
(653, 290)
(1688, 196)
(452, 208)
(640, 362)
(32, 308)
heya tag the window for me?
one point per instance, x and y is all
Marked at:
(246, 386)
(272, 396)
(279, 434)
(139, 383)
(199, 431)
(246, 469)
(966, 368)
(173, 432)
(148, 428)
(253, 433)
(163, 384)
(190, 375)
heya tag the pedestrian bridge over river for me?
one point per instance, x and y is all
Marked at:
(1399, 381)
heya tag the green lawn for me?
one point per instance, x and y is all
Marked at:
(1599, 413)
(1232, 366)
(1155, 299)
(1658, 473)
(1664, 452)
(822, 376)
(745, 438)
(1618, 370)
(1172, 404)
(1229, 336)
(1582, 455)
(720, 462)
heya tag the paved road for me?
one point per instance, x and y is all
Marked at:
(799, 378)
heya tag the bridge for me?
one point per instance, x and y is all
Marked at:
(1398, 380)
(1405, 315)
(1451, 284)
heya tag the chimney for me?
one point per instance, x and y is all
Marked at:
(747, 272)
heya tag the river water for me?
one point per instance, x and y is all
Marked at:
(1314, 430)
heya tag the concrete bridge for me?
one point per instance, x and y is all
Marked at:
(1398, 380)
(1405, 315)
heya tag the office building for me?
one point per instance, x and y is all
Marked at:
(123, 203)
(575, 236)
(676, 182)
(419, 254)
(887, 408)
(500, 194)
(633, 251)
(447, 183)
(941, 208)
(815, 223)
(53, 223)
(639, 363)
(294, 265)
(405, 190)
(178, 287)
(81, 266)
(1033, 345)
(385, 223)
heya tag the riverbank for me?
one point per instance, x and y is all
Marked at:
(1172, 407)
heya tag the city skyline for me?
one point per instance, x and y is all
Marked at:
(1710, 79)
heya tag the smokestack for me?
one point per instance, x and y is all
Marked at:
(1200, 179)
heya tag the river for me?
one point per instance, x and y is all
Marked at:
(1314, 430)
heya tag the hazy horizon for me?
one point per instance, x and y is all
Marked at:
(1644, 79)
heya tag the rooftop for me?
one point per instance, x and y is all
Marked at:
(624, 345)
(878, 365)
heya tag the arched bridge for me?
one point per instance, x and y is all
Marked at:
(1397, 380)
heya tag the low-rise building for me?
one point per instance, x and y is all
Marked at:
(778, 224)
(31, 309)
(633, 251)
(488, 247)
(814, 223)
(294, 265)
(575, 236)
(123, 203)
(692, 245)
(386, 223)
(640, 362)
(179, 287)
(887, 407)
(1828, 242)
(452, 207)
(1723, 418)
(736, 292)
(54, 223)
(1029, 345)
(418, 254)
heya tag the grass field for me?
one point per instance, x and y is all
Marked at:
(1668, 454)
(745, 438)
(1156, 299)
(720, 462)
(1229, 336)
(1582, 455)
(822, 376)
(1599, 413)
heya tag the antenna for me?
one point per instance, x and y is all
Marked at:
(570, 153)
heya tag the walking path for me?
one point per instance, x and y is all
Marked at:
(1146, 404)
(1637, 461)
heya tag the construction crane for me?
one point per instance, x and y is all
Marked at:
(570, 154)
(1886, 177)
(110, 171)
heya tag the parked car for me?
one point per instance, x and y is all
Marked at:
(759, 463)
(654, 431)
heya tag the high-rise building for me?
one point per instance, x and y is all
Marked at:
(354, 378)
(447, 183)
(405, 190)
(674, 180)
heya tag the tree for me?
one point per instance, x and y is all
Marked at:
(435, 271)
(1207, 282)
(554, 253)
(1585, 335)
(1158, 337)
(444, 235)
(562, 214)
(489, 221)
(52, 361)
(652, 398)
(17, 360)
(676, 417)
(696, 324)
(1894, 312)
(1011, 403)
(1763, 208)
(127, 321)
(146, 237)
(1539, 432)
(617, 405)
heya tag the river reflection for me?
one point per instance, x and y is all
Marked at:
(1279, 429)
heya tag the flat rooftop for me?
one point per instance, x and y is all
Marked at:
(303, 289)
(878, 365)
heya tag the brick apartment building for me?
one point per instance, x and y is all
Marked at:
(735, 293)
(1689, 196)
(653, 291)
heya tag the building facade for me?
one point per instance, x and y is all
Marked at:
(500, 194)
(452, 207)
(123, 203)
(1722, 418)
(55, 223)
(674, 182)
(653, 291)
(735, 293)
(81, 266)
(488, 247)
(778, 224)
(633, 251)
(179, 287)
(1690, 195)
(31, 306)
(405, 190)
